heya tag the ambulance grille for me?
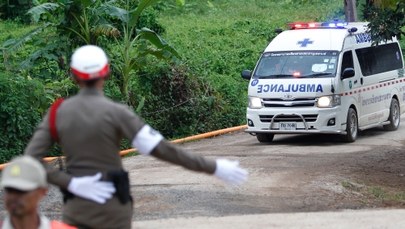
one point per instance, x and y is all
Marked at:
(299, 102)
(288, 118)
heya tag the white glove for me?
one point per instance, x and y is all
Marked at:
(230, 172)
(90, 187)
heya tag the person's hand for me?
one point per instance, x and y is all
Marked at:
(230, 171)
(91, 188)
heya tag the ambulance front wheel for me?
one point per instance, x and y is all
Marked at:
(394, 117)
(265, 137)
(351, 126)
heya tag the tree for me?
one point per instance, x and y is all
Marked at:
(134, 44)
(61, 27)
(386, 19)
(68, 24)
(350, 10)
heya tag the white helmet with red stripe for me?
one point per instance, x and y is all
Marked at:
(89, 62)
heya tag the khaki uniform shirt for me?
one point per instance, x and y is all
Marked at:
(90, 128)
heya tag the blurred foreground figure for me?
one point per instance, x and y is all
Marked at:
(89, 127)
(24, 183)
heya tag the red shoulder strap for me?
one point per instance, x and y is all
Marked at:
(52, 119)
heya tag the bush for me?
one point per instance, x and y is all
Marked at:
(178, 103)
(20, 112)
(15, 9)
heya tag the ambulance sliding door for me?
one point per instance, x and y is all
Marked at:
(378, 65)
(351, 86)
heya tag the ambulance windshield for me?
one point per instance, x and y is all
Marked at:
(307, 64)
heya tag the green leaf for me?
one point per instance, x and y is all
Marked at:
(115, 12)
(181, 2)
(13, 45)
(140, 105)
(210, 5)
(134, 15)
(158, 42)
(37, 11)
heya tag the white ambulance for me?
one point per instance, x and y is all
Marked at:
(325, 78)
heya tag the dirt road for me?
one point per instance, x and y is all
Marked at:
(294, 174)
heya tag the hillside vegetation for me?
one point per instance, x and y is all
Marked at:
(200, 92)
(218, 39)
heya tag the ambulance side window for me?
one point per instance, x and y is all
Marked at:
(380, 58)
(347, 61)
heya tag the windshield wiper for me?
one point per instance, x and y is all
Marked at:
(318, 74)
(276, 76)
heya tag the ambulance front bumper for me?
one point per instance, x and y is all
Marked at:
(298, 121)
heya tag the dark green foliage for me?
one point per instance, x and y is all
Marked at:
(171, 100)
(15, 9)
(179, 104)
(23, 103)
(148, 20)
(20, 111)
(204, 92)
(385, 22)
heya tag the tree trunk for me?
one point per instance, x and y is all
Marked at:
(350, 10)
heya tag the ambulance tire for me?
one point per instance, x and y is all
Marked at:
(352, 127)
(394, 117)
(265, 138)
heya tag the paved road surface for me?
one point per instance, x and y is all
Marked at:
(362, 219)
(298, 181)
(311, 181)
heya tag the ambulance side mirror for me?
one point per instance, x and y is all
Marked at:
(246, 74)
(347, 73)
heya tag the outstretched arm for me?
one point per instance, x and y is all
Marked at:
(150, 142)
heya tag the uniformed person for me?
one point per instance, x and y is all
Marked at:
(89, 128)
(24, 183)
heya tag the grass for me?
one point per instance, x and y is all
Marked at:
(14, 30)
(386, 195)
(228, 36)
(218, 39)
(380, 193)
(11, 29)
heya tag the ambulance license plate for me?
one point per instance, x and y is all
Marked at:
(288, 126)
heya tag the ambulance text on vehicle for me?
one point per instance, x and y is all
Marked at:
(325, 78)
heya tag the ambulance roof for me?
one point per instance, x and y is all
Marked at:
(317, 38)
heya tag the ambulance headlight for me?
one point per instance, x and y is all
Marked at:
(255, 103)
(328, 101)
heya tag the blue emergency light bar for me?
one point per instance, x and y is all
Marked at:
(318, 25)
